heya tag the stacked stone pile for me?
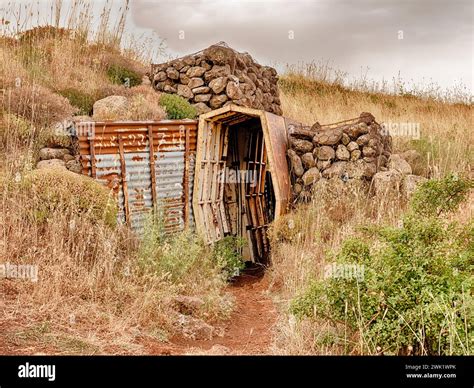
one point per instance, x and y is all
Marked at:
(354, 149)
(58, 158)
(218, 76)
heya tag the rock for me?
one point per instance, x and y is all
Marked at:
(297, 188)
(337, 169)
(325, 153)
(185, 91)
(368, 151)
(308, 160)
(327, 136)
(217, 101)
(195, 82)
(53, 153)
(189, 60)
(195, 71)
(300, 145)
(363, 140)
(342, 152)
(354, 131)
(387, 183)
(311, 176)
(202, 97)
(201, 108)
(201, 90)
(233, 90)
(218, 84)
(188, 304)
(216, 72)
(51, 163)
(178, 64)
(361, 170)
(172, 73)
(170, 89)
(323, 164)
(413, 157)
(345, 139)
(160, 76)
(110, 108)
(194, 328)
(296, 165)
(410, 183)
(352, 146)
(74, 166)
(366, 118)
(219, 55)
(356, 154)
(68, 157)
(184, 79)
(396, 162)
(184, 70)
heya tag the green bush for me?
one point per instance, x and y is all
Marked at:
(177, 107)
(79, 99)
(53, 191)
(226, 254)
(417, 282)
(122, 75)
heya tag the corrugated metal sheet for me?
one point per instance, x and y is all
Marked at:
(146, 163)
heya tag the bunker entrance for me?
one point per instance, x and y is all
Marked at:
(235, 194)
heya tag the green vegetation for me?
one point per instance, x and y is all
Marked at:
(122, 75)
(177, 107)
(416, 292)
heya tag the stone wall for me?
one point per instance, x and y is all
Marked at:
(353, 149)
(218, 76)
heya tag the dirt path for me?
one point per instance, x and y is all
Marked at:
(248, 330)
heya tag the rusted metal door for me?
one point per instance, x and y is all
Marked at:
(147, 164)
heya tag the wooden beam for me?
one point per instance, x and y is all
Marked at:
(123, 171)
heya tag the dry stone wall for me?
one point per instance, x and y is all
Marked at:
(218, 76)
(354, 149)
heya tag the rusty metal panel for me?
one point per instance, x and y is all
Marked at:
(118, 154)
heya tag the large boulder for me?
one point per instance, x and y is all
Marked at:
(327, 136)
(387, 183)
(220, 55)
(410, 183)
(110, 108)
(53, 153)
(396, 162)
(51, 164)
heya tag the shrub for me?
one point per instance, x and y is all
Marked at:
(121, 75)
(58, 190)
(435, 197)
(226, 253)
(416, 287)
(83, 101)
(37, 104)
(177, 107)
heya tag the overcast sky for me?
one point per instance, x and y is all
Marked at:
(422, 39)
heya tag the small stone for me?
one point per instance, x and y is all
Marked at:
(68, 157)
(311, 176)
(327, 136)
(218, 100)
(201, 108)
(233, 90)
(356, 154)
(345, 139)
(74, 166)
(323, 164)
(195, 71)
(308, 160)
(325, 153)
(342, 153)
(354, 131)
(170, 89)
(296, 165)
(300, 145)
(337, 169)
(201, 90)
(195, 82)
(363, 140)
(202, 97)
(172, 73)
(218, 84)
(352, 146)
(160, 76)
(216, 72)
(368, 151)
(184, 79)
(185, 91)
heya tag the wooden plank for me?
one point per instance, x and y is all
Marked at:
(123, 172)
(92, 154)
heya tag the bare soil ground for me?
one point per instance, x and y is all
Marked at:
(249, 330)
